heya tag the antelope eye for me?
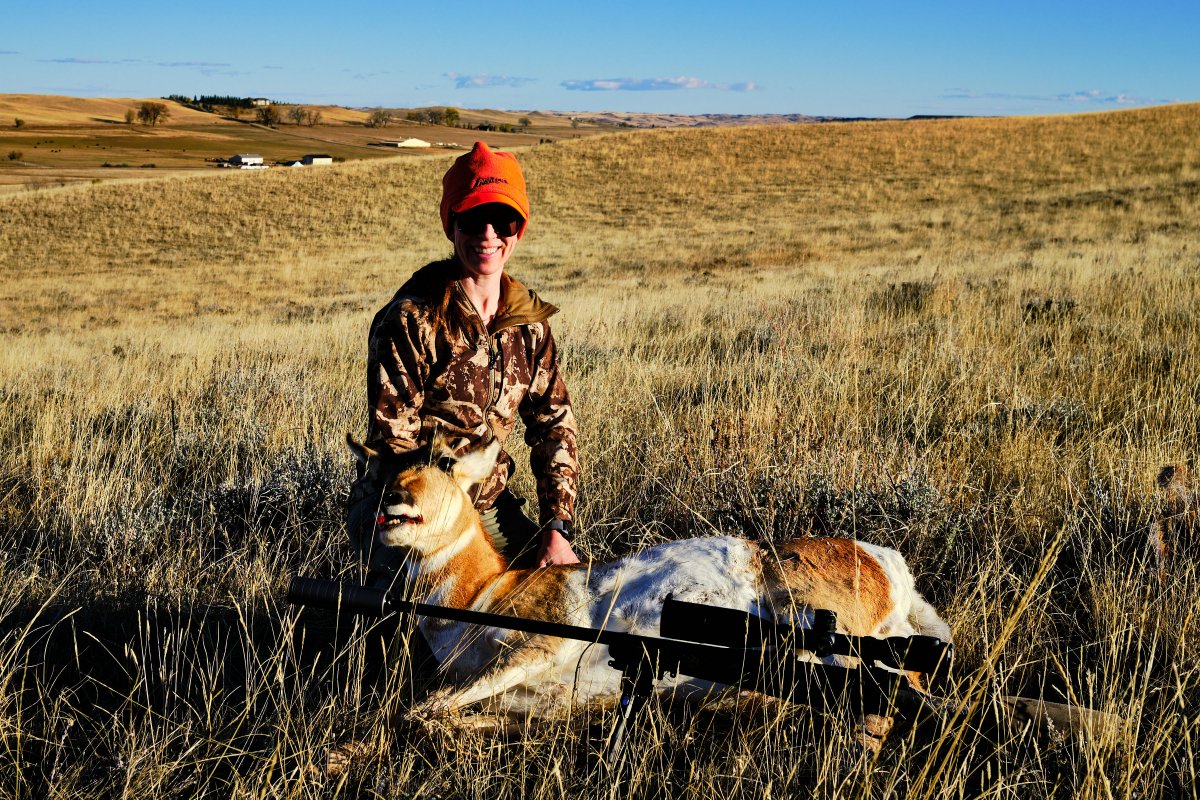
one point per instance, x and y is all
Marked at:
(445, 464)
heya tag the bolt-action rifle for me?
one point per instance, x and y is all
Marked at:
(708, 643)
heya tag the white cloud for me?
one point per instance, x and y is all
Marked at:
(74, 60)
(191, 64)
(654, 85)
(1080, 97)
(485, 81)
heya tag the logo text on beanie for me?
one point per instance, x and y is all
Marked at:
(475, 184)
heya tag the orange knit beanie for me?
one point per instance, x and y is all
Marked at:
(482, 176)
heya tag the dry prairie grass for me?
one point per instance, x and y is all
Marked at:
(972, 340)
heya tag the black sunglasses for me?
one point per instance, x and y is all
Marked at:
(505, 221)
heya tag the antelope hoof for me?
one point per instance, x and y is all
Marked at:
(343, 757)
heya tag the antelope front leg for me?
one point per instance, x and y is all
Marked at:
(488, 685)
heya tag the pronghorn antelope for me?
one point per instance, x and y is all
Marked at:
(1176, 530)
(425, 509)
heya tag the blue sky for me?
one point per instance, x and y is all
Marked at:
(843, 59)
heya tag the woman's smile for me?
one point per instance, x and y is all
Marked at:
(483, 251)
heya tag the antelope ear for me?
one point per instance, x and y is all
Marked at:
(475, 466)
(360, 450)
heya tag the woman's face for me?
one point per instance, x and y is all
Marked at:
(485, 237)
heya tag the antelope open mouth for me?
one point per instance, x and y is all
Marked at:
(394, 516)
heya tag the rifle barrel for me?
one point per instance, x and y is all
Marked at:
(355, 599)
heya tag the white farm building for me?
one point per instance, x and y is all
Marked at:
(405, 143)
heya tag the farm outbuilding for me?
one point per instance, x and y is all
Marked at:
(405, 143)
(247, 159)
(316, 158)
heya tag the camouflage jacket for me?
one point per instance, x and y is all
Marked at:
(419, 381)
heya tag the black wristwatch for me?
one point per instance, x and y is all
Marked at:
(563, 527)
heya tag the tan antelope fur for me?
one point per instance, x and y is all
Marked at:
(426, 509)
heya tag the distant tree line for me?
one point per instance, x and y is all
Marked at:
(270, 115)
(433, 116)
(211, 102)
(502, 127)
(444, 116)
(378, 118)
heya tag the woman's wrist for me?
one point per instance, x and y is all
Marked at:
(563, 527)
(555, 549)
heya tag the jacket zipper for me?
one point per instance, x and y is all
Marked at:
(494, 375)
(492, 359)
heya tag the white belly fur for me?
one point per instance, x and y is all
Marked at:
(627, 595)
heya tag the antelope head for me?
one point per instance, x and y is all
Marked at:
(425, 501)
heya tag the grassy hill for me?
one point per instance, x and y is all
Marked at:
(61, 141)
(57, 110)
(971, 340)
